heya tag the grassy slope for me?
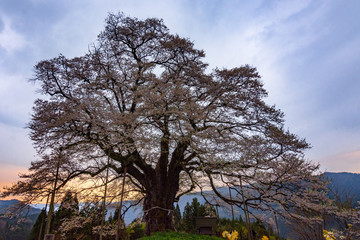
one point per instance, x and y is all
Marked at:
(178, 236)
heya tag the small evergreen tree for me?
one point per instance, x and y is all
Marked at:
(177, 217)
(115, 217)
(40, 223)
(196, 209)
(187, 219)
(91, 216)
(69, 207)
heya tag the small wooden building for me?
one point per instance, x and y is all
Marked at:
(206, 225)
(49, 237)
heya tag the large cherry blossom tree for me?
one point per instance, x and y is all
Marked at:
(144, 98)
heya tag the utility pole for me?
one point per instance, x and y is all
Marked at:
(104, 202)
(120, 207)
(232, 208)
(277, 226)
(246, 212)
(42, 220)
(51, 208)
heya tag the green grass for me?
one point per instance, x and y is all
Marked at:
(178, 236)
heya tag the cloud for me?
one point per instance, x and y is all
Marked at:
(16, 99)
(10, 40)
(15, 146)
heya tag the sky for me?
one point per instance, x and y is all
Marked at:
(307, 52)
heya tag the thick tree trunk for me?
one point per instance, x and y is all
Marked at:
(159, 205)
(162, 187)
(158, 213)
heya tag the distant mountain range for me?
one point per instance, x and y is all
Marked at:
(17, 227)
(6, 205)
(343, 184)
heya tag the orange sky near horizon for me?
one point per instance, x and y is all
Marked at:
(9, 175)
(337, 161)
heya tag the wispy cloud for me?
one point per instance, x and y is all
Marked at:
(16, 97)
(10, 40)
(15, 146)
